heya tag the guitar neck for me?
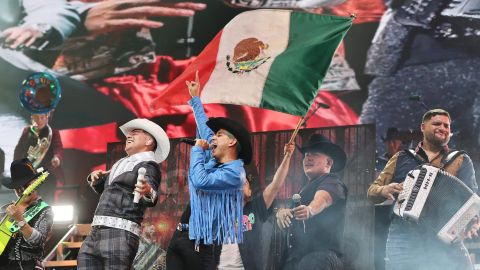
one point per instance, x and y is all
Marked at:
(29, 191)
(31, 188)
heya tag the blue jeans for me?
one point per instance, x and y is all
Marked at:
(413, 248)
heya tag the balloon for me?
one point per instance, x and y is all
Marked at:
(40, 93)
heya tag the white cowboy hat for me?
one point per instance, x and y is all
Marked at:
(163, 144)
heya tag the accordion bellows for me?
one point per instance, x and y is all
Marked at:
(438, 200)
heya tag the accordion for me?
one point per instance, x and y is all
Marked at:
(463, 8)
(439, 201)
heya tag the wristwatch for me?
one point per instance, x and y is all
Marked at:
(21, 223)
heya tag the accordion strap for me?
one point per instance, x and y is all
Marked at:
(451, 156)
(416, 156)
(447, 159)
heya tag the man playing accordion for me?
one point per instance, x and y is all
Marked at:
(410, 245)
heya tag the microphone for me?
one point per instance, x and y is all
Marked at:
(415, 97)
(296, 198)
(192, 142)
(418, 98)
(188, 141)
(141, 175)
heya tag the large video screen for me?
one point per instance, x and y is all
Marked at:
(115, 59)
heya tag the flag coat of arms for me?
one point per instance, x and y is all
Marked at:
(272, 59)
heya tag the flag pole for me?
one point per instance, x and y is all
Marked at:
(295, 132)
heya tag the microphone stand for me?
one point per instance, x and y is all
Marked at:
(418, 99)
(424, 105)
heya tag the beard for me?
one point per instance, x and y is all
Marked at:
(432, 139)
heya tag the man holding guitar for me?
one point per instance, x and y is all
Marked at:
(24, 229)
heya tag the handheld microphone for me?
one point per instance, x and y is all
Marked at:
(192, 142)
(296, 198)
(141, 175)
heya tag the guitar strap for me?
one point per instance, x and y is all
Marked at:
(28, 215)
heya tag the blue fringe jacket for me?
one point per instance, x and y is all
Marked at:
(216, 191)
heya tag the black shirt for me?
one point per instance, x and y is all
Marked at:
(323, 231)
(255, 212)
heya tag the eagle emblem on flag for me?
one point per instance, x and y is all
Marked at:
(248, 55)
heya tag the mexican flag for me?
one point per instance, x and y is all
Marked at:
(272, 59)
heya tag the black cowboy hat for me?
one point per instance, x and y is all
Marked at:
(392, 134)
(22, 173)
(238, 131)
(322, 144)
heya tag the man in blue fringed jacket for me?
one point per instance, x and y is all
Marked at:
(216, 181)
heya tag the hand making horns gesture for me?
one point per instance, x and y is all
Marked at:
(194, 86)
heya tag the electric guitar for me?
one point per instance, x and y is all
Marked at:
(8, 226)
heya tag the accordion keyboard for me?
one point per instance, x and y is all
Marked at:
(437, 200)
(415, 189)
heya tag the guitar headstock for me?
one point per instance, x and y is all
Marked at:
(32, 187)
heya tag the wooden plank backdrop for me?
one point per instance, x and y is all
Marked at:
(358, 143)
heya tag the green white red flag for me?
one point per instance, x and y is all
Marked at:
(272, 59)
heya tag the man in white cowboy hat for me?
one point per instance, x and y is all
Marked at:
(114, 239)
(316, 225)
